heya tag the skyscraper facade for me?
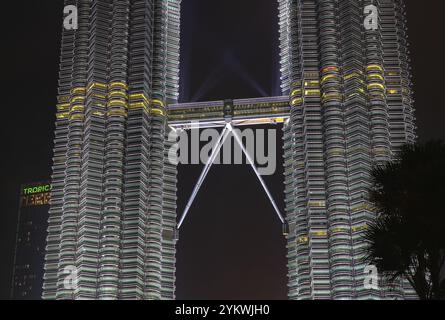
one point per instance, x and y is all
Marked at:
(346, 76)
(345, 66)
(112, 217)
(27, 277)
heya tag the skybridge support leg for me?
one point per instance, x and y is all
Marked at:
(222, 138)
(252, 164)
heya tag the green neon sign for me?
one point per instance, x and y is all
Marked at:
(37, 189)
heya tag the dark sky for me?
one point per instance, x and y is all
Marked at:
(231, 244)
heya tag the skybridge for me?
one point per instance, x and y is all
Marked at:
(239, 112)
(229, 114)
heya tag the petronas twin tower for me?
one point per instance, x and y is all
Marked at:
(113, 223)
(113, 211)
(351, 108)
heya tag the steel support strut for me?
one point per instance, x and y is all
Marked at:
(252, 164)
(221, 140)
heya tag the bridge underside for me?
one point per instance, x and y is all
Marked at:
(239, 112)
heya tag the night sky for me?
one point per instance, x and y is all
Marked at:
(231, 245)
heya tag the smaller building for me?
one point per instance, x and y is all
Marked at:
(27, 279)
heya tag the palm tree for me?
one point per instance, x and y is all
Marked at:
(408, 236)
